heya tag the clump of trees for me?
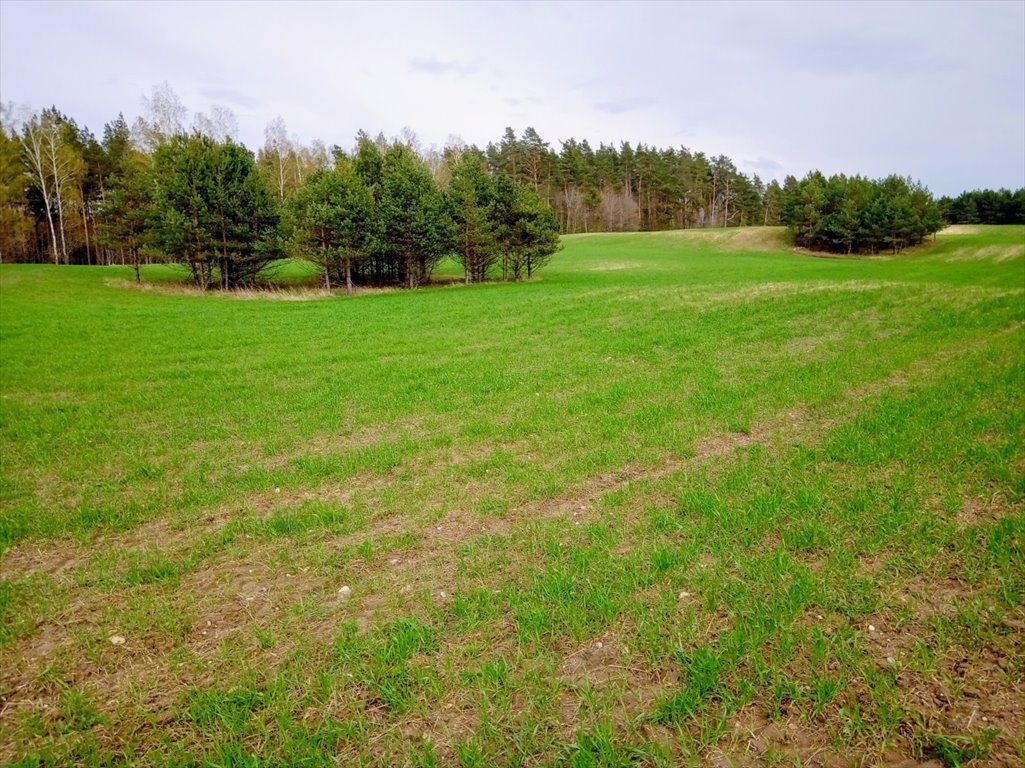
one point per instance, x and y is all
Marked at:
(852, 214)
(985, 206)
(498, 221)
(385, 213)
(379, 216)
(213, 211)
(586, 189)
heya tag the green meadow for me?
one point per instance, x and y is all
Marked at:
(685, 498)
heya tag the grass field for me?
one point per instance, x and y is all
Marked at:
(686, 498)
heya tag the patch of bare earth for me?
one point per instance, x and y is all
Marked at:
(969, 692)
(752, 739)
(973, 688)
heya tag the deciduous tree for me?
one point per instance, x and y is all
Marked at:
(16, 223)
(55, 169)
(163, 116)
(220, 124)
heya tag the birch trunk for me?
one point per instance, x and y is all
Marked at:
(35, 160)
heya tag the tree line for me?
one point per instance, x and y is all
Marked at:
(60, 185)
(985, 206)
(70, 197)
(629, 188)
(376, 215)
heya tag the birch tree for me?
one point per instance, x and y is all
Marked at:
(220, 125)
(163, 116)
(54, 169)
(309, 158)
(274, 157)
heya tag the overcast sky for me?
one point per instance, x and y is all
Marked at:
(931, 90)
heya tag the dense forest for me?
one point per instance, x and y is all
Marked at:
(984, 206)
(385, 211)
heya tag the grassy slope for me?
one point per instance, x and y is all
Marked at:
(644, 508)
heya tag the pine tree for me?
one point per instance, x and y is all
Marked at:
(415, 229)
(331, 221)
(525, 227)
(126, 210)
(471, 199)
(214, 211)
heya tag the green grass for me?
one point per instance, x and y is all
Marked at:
(685, 497)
